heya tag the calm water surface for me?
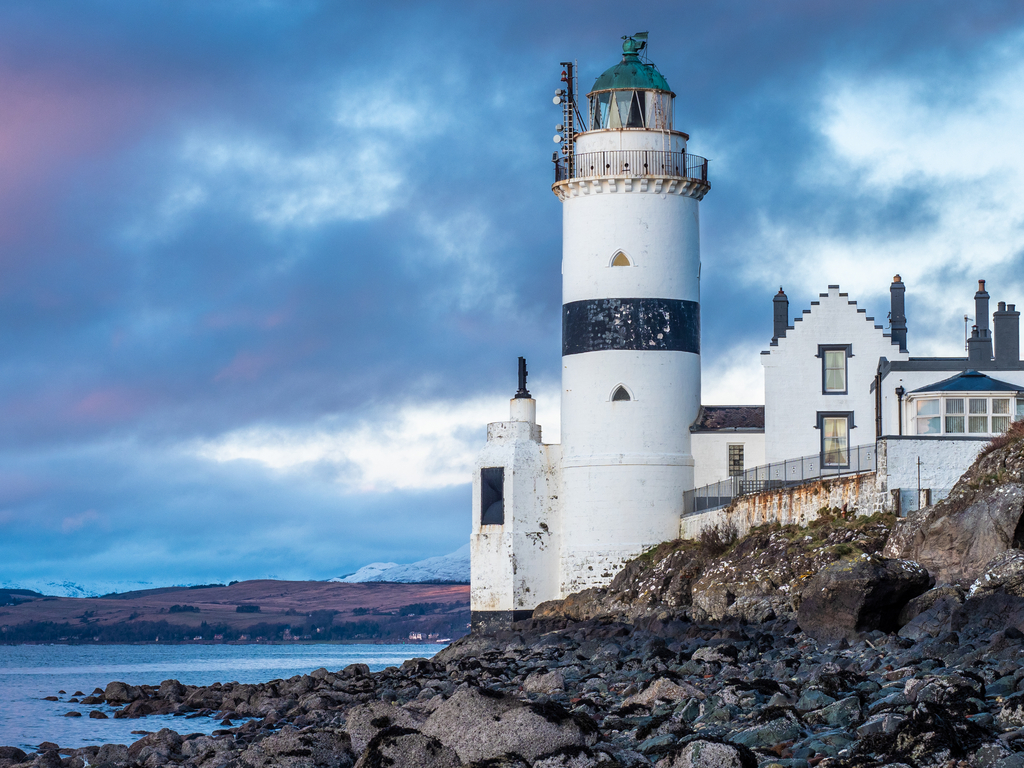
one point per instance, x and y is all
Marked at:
(30, 672)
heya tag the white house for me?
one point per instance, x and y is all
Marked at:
(835, 381)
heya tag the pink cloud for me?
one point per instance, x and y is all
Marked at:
(52, 119)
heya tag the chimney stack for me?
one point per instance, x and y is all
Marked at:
(979, 346)
(1006, 330)
(898, 313)
(781, 318)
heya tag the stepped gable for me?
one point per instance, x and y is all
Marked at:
(738, 418)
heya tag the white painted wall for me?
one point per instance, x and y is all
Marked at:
(711, 454)
(943, 461)
(625, 464)
(515, 566)
(793, 376)
(630, 138)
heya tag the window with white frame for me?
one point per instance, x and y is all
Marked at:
(1001, 414)
(835, 440)
(954, 415)
(964, 414)
(833, 361)
(929, 420)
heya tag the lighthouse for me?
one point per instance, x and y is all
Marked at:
(552, 519)
(630, 193)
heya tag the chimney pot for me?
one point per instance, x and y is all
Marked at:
(780, 315)
(898, 313)
(1006, 333)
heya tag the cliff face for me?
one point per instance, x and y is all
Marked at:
(870, 568)
(754, 579)
(956, 538)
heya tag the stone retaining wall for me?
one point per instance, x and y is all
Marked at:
(794, 505)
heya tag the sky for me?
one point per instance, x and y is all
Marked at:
(266, 267)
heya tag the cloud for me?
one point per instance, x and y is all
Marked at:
(421, 446)
(917, 173)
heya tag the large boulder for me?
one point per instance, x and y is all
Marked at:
(860, 595)
(396, 746)
(957, 537)
(713, 753)
(120, 693)
(480, 724)
(364, 722)
(155, 749)
(990, 612)
(926, 601)
(1004, 573)
(296, 749)
(956, 544)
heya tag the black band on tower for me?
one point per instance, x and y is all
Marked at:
(594, 325)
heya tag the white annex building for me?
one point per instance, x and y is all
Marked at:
(550, 520)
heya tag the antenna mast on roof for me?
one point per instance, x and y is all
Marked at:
(571, 115)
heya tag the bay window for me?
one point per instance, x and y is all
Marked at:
(964, 414)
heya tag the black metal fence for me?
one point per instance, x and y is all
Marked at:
(782, 474)
(632, 162)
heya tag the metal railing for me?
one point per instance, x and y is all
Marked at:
(632, 162)
(769, 477)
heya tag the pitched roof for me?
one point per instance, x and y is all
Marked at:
(736, 418)
(970, 381)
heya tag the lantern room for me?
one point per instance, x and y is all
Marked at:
(632, 94)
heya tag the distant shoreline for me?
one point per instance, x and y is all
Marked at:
(260, 612)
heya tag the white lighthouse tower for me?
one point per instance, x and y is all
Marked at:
(630, 319)
(549, 520)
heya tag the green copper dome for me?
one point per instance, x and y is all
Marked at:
(631, 73)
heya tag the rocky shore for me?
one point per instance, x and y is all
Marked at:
(597, 693)
(825, 646)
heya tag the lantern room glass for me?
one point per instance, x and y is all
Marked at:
(631, 109)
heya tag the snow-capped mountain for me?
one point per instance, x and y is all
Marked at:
(366, 573)
(72, 589)
(453, 567)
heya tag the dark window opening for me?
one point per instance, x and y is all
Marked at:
(620, 395)
(492, 496)
(735, 461)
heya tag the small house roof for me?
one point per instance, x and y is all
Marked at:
(734, 418)
(970, 381)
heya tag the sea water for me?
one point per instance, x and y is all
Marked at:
(28, 673)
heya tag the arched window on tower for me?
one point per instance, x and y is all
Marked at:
(620, 395)
(621, 260)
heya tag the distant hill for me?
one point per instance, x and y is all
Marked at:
(447, 569)
(244, 611)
